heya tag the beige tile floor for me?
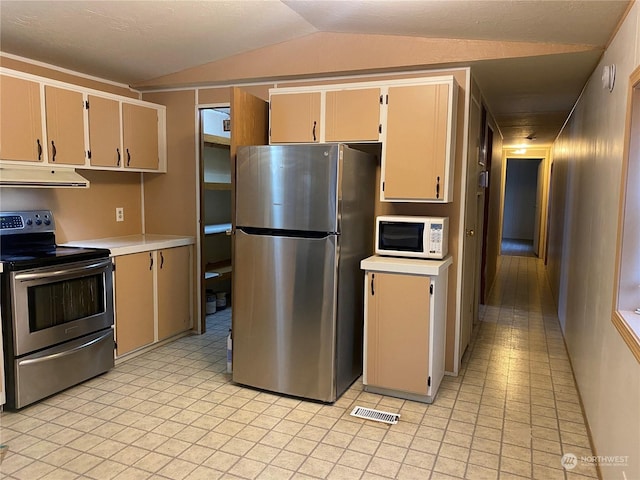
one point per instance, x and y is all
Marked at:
(173, 413)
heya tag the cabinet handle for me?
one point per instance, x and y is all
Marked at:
(438, 187)
(118, 152)
(161, 260)
(150, 261)
(128, 157)
(39, 149)
(372, 277)
(314, 131)
(54, 151)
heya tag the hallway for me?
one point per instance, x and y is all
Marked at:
(173, 413)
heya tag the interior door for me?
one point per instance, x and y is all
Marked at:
(470, 283)
(538, 212)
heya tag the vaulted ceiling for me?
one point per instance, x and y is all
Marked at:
(135, 42)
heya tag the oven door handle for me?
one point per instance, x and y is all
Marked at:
(53, 356)
(63, 271)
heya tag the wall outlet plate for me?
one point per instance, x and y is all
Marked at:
(119, 214)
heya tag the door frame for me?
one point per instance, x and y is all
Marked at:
(524, 152)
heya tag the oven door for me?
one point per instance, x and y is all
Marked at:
(54, 304)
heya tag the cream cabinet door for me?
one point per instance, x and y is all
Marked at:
(415, 149)
(352, 115)
(134, 301)
(397, 331)
(104, 132)
(65, 125)
(295, 118)
(173, 294)
(140, 136)
(20, 120)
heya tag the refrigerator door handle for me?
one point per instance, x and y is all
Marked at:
(271, 232)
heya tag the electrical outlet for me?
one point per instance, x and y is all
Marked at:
(119, 214)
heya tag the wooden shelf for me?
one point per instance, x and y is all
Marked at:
(217, 229)
(218, 270)
(216, 141)
(217, 186)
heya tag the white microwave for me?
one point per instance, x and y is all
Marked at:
(415, 237)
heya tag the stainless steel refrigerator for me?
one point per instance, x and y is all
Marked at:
(304, 220)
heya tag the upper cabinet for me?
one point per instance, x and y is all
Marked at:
(417, 159)
(104, 132)
(53, 123)
(20, 120)
(295, 118)
(140, 133)
(413, 119)
(65, 125)
(353, 115)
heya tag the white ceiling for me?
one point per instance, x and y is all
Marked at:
(133, 41)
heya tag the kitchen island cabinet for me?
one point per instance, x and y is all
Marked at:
(404, 333)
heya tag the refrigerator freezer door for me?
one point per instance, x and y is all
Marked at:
(289, 187)
(284, 314)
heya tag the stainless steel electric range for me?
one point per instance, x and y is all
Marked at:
(57, 309)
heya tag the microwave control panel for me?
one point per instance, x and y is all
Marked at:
(435, 239)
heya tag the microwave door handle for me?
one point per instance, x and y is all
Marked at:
(63, 271)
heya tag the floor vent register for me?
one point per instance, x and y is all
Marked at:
(375, 415)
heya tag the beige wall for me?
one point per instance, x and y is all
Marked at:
(68, 77)
(86, 213)
(170, 198)
(325, 54)
(582, 251)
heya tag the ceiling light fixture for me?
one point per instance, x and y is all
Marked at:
(531, 136)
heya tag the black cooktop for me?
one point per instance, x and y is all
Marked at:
(54, 256)
(27, 240)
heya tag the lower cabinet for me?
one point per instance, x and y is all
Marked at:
(152, 297)
(134, 297)
(405, 317)
(173, 292)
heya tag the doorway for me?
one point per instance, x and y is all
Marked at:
(522, 207)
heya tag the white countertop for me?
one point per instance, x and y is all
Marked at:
(413, 266)
(134, 243)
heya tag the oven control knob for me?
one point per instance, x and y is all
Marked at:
(38, 221)
(47, 221)
(29, 222)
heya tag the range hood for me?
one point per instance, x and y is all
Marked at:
(41, 177)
